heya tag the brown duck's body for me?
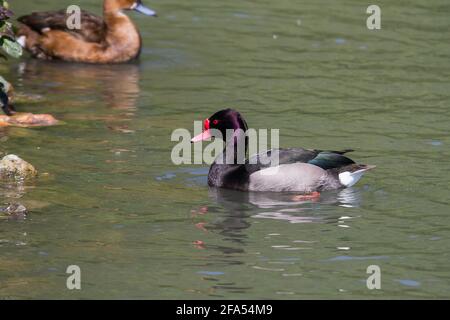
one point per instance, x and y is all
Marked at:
(111, 39)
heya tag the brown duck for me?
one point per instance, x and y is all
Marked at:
(111, 39)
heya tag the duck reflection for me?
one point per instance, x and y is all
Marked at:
(235, 211)
(234, 218)
(238, 207)
(346, 197)
(280, 206)
(230, 223)
(117, 84)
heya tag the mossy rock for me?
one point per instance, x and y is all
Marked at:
(13, 167)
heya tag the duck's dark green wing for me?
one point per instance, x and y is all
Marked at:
(323, 159)
(92, 26)
(331, 159)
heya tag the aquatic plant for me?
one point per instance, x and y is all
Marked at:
(8, 45)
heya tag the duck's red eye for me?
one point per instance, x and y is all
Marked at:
(215, 122)
(206, 124)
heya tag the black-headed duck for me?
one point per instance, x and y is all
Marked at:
(111, 39)
(297, 169)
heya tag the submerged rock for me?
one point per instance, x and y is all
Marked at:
(11, 166)
(23, 97)
(14, 211)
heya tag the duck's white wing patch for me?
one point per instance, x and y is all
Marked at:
(349, 179)
(298, 177)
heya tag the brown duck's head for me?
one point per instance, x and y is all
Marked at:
(136, 5)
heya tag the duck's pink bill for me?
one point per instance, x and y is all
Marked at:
(205, 135)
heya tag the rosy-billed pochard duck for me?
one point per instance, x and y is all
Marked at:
(298, 170)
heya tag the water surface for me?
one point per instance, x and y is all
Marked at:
(110, 200)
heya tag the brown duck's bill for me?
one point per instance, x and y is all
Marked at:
(144, 10)
(205, 135)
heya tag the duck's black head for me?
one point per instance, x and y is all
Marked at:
(222, 121)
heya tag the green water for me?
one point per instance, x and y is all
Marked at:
(110, 200)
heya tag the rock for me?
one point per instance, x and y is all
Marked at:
(14, 211)
(11, 166)
(27, 120)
